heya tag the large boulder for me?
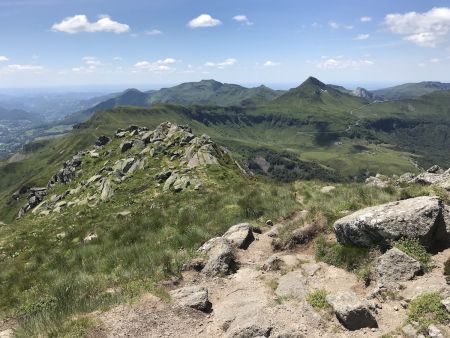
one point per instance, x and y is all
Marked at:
(221, 260)
(240, 235)
(425, 218)
(396, 266)
(351, 312)
(195, 297)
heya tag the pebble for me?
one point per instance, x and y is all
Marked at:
(396, 308)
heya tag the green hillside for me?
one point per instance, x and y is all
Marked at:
(205, 92)
(410, 90)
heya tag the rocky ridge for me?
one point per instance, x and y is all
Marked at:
(91, 176)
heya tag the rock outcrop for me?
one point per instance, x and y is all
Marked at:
(176, 144)
(425, 218)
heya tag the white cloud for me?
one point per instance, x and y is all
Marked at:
(435, 60)
(334, 25)
(159, 66)
(80, 23)
(3, 58)
(204, 20)
(366, 19)
(424, 29)
(25, 67)
(362, 37)
(153, 32)
(341, 63)
(243, 20)
(117, 58)
(271, 63)
(226, 63)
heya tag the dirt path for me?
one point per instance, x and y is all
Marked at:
(253, 299)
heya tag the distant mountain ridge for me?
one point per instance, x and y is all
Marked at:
(410, 90)
(205, 92)
(18, 114)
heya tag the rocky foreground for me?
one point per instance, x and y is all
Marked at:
(239, 287)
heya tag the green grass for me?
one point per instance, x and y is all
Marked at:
(317, 299)
(427, 309)
(47, 278)
(414, 249)
(346, 257)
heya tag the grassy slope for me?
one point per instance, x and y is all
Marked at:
(46, 276)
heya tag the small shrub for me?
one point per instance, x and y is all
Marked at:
(317, 299)
(427, 309)
(413, 248)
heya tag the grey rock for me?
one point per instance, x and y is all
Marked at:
(181, 183)
(396, 266)
(240, 235)
(446, 303)
(423, 218)
(195, 297)
(435, 169)
(170, 181)
(107, 190)
(124, 146)
(221, 260)
(351, 312)
(250, 330)
(409, 331)
(102, 140)
(273, 263)
(163, 175)
(434, 332)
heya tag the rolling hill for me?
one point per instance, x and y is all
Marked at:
(18, 114)
(410, 90)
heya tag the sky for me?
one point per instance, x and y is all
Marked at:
(145, 43)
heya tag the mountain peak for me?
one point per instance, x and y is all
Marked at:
(314, 81)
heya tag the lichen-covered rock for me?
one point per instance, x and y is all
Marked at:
(396, 266)
(351, 312)
(195, 297)
(425, 218)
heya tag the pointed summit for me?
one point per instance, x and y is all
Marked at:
(312, 81)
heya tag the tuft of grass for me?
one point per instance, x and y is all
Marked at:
(413, 248)
(317, 299)
(350, 258)
(427, 309)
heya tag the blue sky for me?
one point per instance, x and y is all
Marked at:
(46, 43)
